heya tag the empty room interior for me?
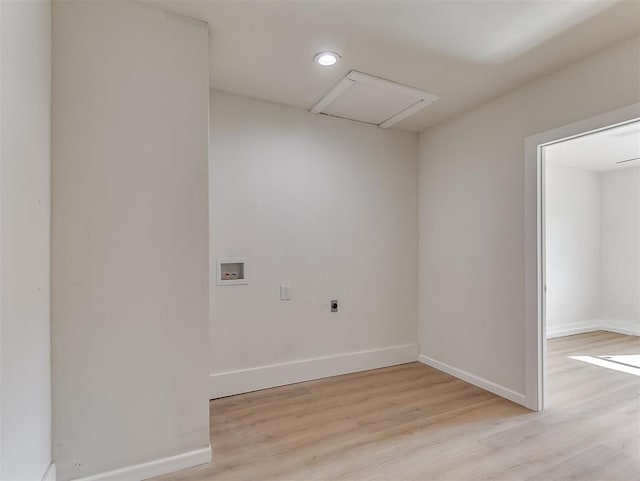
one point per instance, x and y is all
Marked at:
(313, 240)
(592, 260)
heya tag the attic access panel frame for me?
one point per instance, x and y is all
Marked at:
(418, 99)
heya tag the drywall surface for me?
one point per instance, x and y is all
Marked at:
(573, 226)
(471, 212)
(620, 212)
(129, 236)
(592, 250)
(326, 206)
(25, 367)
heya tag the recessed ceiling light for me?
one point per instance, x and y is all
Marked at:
(326, 59)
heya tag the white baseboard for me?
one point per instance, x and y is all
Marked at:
(572, 329)
(618, 327)
(497, 389)
(154, 468)
(50, 473)
(254, 379)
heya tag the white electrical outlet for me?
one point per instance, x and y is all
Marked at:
(285, 292)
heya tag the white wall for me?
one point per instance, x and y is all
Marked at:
(129, 237)
(573, 227)
(25, 381)
(329, 206)
(471, 212)
(620, 212)
(593, 250)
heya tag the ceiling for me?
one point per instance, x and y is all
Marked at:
(599, 151)
(467, 52)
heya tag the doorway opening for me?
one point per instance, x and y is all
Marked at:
(591, 254)
(582, 282)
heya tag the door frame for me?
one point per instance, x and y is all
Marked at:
(534, 240)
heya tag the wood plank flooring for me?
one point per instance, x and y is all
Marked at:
(412, 422)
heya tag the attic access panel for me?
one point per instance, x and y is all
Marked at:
(372, 100)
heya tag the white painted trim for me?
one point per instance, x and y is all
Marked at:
(422, 97)
(533, 240)
(575, 328)
(485, 384)
(618, 327)
(365, 78)
(412, 109)
(50, 473)
(332, 94)
(154, 468)
(264, 377)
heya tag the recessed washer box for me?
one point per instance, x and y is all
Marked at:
(231, 271)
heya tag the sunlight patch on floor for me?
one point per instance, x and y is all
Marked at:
(628, 363)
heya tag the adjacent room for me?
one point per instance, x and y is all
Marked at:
(592, 266)
(592, 249)
(312, 240)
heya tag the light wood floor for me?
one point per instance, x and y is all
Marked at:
(411, 422)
